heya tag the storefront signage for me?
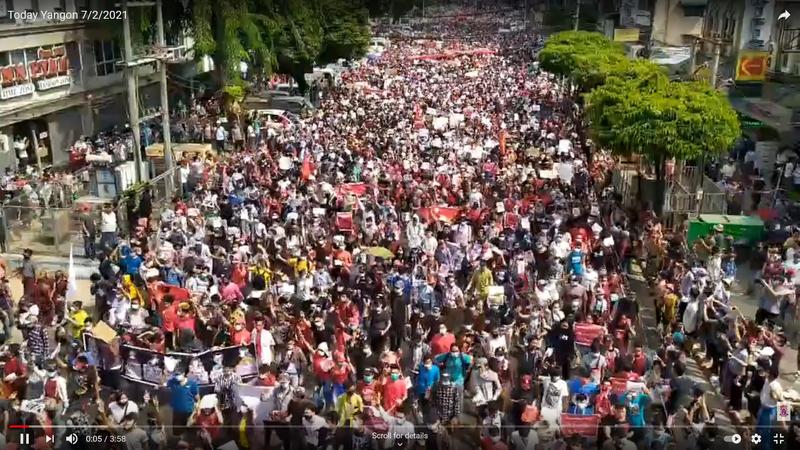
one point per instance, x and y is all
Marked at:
(626, 35)
(50, 83)
(52, 62)
(752, 66)
(16, 91)
(49, 70)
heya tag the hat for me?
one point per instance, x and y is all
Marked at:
(719, 227)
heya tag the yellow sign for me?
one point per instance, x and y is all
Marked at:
(626, 34)
(752, 66)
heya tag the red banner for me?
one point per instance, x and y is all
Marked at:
(572, 424)
(585, 333)
(619, 386)
(344, 221)
(510, 221)
(502, 139)
(357, 189)
(447, 214)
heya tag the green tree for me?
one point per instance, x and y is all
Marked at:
(639, 111)
(285, 36)
(586, 58)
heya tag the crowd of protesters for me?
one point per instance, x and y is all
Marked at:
(433, 259)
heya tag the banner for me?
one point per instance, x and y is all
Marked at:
(502, 140)
(142, 365)
(586, 426)
(585, 333)
(448, 214)
(626, 34)
(357, 189)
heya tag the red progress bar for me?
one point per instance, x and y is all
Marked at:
(19, 427)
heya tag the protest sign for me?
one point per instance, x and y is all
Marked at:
(572, 424)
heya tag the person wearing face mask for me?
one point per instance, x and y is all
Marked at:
(315, 429)
(426, 379)
(55, 386)
(121, 407)
(209, 419)
(442, 341)
(368, 388)
(394, 392)
(183, 396)
(240, 335)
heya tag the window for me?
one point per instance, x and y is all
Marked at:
(106, 55)
(5, 7)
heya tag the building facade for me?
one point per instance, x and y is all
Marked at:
(59, 79)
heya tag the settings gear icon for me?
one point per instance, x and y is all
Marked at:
(755, 438)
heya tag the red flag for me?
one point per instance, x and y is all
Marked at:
(510, 221)
(447, 214)
(306, 169)
(585, 333)
(572, 424)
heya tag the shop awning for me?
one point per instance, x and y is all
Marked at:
(769, 113)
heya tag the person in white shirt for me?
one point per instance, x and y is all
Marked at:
(524, 438)
(264, 342)
(121, 407)
(414, 233)
(313, 424)
(108, 227)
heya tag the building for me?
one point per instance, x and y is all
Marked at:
(60, 78)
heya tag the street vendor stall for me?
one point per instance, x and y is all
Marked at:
(742, 228)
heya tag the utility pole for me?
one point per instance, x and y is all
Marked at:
(133, 98)
(525, 16)
(715, 63)
(577, 13)
(162, 42)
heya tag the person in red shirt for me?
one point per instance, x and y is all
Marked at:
(395, 391)
(169, 320)
(15, 373)
(322, 364)
(209, 420)
(340, 373)
(441, 341)
(493, 441)
(347, 312)
(186, 318)
(265, 377)
(368, 388)
(240, 335)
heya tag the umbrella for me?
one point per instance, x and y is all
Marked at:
(380, 252)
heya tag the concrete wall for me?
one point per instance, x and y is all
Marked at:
(64, 128)
(670, 23)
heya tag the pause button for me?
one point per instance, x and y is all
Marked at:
(25, 438)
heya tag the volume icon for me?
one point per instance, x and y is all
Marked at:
(72, 438)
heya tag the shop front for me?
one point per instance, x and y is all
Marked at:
(29, 79)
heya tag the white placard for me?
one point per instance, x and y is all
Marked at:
(440, 123)
(564, 146)
(608, 242)
(285, 163)
(548, 174)
(318, 212)
(16, 91)
(50, 83)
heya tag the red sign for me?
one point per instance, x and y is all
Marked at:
(13, 74)
(585, 333)
(572, 424)
(51, 62)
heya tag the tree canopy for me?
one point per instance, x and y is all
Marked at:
(661, 119)
(585, 57)
(285, 36)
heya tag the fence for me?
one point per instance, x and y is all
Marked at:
(46, 231)
(54, 231)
